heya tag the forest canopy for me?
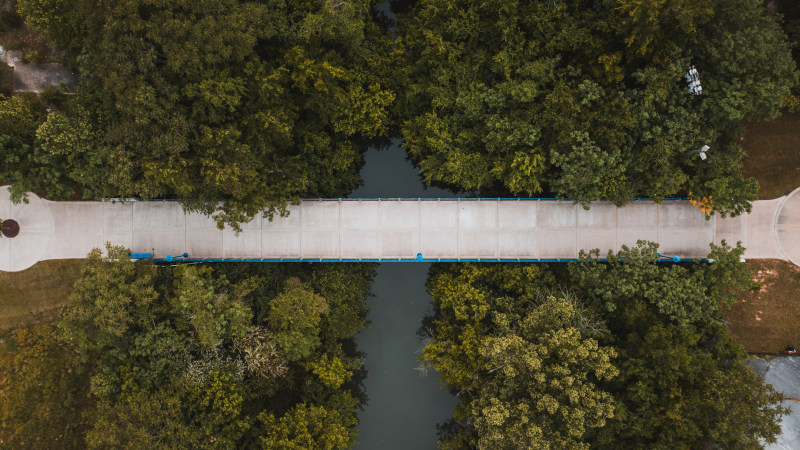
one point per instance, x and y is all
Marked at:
(588, 99)
(250, 102)
(236, 107)
(629, 353)
(227, 356)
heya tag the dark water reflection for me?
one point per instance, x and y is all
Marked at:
(404, 406)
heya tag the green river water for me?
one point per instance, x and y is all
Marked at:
(403, 405)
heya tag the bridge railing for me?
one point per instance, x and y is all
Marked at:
(385, 260)
(394, 199)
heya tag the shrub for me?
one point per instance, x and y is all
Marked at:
(31, 57)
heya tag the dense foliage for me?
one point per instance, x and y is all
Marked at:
(258, 102)
(253, 102)
(525, 364)
(681, 374)
(587, 99)
(683, 294)
(190, 357)
(630, 355)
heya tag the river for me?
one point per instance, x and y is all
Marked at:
(403, 405)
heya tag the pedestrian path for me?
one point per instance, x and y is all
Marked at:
(395, 229)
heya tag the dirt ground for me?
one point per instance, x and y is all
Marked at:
(36, 295)
(768, 320)
(773, 150)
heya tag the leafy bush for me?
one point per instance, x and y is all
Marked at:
(32, 57)
(53, 97)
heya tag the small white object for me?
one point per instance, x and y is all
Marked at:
(693, 79)
(703, 151)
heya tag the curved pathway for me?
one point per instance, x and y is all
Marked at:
(396, 229)
(787, 227)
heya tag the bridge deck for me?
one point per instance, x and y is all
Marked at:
(389, 230)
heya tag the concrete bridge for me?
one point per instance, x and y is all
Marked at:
(395, 230)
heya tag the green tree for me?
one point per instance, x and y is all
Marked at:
(295, 316)
(20, 116)
(343, 287)
(144, 419)
(331, 371)
(50, 154)
(680, 373)
(543, 393)
(686, 387)
(154, 356)
(112, 298)
(588, 102)
(214, 308)
(251, 102)
(737, 46)
(57, 19)
(524, 363)
(216, 408)
(683, 294)
(658, 28)
(588, 173)
(727, 276)
(306, 426)
(67, 154)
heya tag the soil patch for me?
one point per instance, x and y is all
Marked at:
(10, 228)
(767, 320)
(36, 295)
(773, 155)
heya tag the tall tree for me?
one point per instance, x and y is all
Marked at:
(162, 357)
(525, 366)
(544, 393)
(251, 102)
(214, 308)
(685, 387)
(683, 294)
(295, 316)
(588, 100)
(109, 300)
(680, 372)
(305, 427)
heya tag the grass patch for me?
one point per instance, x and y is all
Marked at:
(765, 321)
(773, 150)
(36, 295)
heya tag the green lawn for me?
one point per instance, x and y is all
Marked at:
(765, 321)
(36, 295)
(773, 150)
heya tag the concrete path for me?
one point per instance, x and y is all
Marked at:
(783, 373)
(37, 77)
(487, 230)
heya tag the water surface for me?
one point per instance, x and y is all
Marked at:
(404, 406)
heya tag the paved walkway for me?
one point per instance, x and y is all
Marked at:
(487, 230)
(37, 77)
